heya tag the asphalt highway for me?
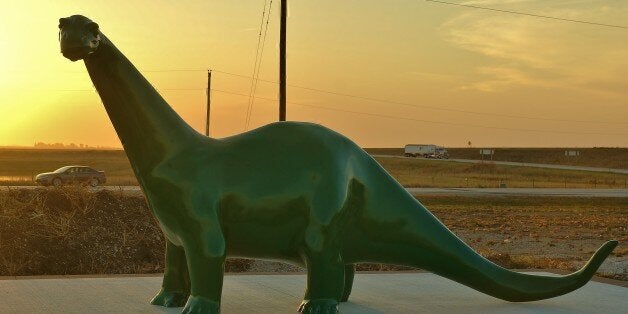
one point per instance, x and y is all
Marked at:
(521, 192)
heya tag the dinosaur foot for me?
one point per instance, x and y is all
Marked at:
(319, 306)
(201, 305)
(170, 298)
(345, 296)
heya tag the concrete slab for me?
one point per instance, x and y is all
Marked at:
(373, 293)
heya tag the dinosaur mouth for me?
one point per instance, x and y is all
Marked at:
(76, 53)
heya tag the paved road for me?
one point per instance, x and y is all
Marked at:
(520, 192)
(520, 164)
(372, 294)
(437, 191)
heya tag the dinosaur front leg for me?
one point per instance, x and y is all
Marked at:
(175, 288)
(349, 274)
(325, 283)
(205, 257)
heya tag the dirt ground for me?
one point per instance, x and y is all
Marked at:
(73, 231)
(545, 233)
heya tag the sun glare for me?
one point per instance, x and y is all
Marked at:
(4, 63)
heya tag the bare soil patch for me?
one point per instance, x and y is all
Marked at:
(539, 232)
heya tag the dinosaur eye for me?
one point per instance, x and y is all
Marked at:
(62, 22)
(93, 27)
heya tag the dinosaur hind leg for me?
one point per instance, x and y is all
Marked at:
(327, 273)
(325, 282)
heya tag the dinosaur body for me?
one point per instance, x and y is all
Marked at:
(295, 192)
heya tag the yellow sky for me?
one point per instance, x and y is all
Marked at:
(451, 74)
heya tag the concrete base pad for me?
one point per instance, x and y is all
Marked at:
(372, 293)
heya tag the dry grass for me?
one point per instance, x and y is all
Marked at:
(72, 231)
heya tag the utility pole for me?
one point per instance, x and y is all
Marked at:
(282, 61)
(209, 100)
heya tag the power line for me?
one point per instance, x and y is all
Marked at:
(255, 69)
(166, 70)
(375, 114)
(429, 107)
(427, 121)
(255, 78)
(527, 14)
(93, 90)
(479, 113)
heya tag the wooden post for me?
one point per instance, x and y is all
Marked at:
(209, 102)
(282, 61)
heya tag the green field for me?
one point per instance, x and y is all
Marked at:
(430, 173)
(18, 166)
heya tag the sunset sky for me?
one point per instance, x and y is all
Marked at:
(448, 74)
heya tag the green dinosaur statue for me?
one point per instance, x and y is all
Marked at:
(289, 191)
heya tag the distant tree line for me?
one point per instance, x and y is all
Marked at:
(67, 146)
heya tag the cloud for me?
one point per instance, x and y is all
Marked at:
(526, 51)
(497, 78)
(433, 76)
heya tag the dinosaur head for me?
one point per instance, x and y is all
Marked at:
(78, 36)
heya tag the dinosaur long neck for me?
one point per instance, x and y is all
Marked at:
(147, 126)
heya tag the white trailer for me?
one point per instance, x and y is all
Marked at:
(426, 151)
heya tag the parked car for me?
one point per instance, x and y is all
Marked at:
(72, 175)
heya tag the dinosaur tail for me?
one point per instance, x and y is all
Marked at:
(484, 276)
(408, 234)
